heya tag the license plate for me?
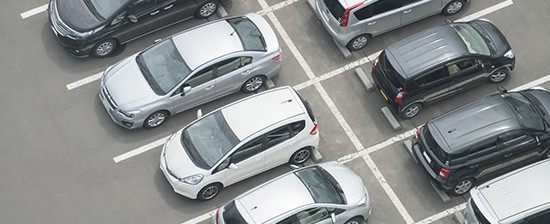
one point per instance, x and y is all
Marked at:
(427, 157)
(384, 94)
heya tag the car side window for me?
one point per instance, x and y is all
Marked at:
(141, 7)
(464, 67)
(515, 140)
(430, 78)
(297, 127)
(376, 8)
(486, 150)
(312, 215)
(406, 2)
(232, 64)
(200, 77)
(248, 150)
(277, 136)
(119, 18)
(541, 218)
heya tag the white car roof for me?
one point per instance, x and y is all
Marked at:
(264, 109)
(262, 205)
(205, 43)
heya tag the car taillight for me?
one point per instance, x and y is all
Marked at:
(345, 18)
(314, 129)
(278, 57)
(217, 215)
(444, 173)
(417, 133)
(400, 97)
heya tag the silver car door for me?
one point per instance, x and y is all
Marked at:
(202, 89)
(232, 73)
(379, 17)
(413, 10)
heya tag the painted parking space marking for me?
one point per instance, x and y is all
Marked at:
(84, 81)
(200, 218)
(443, 214)
(486, 11)
(34, 11)
(276, 7)
(140, 150)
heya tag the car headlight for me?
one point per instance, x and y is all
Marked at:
(130, 114)
(362, 202)
(193, 180)
(509, 54)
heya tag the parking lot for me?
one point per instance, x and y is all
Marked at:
(64, 160)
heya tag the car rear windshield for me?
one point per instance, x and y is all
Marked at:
(335, 8)
(525, 111)
(478, 215)
(162, 66)
(251, 37)
(390, 74)
(105, 8)
(208, 140)
(321, 185)
(472, 39)
(231, 214)
(432, 145)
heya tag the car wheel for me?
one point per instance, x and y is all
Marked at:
(300, 156)
(253, 84)
(104, 48)
(453, 7)
(462, 186)
(411, 110)
(358, 42)
(209, 192)
(206, 9)
(499, 75)
(354, 220)
(155, 119)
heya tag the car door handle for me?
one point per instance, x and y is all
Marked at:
(209, 87)
(154, 13)
(168, 7)
(508, 155)
(407, 11)
(474, 166)
(246, 72)
(371, 23)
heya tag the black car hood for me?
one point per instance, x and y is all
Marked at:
(77, 15)
(498, 39)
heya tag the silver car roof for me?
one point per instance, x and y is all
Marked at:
(270, 107)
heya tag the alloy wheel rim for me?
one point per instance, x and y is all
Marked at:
(156, 120)
(359, 43)
(454, 8)
(463, 186)
(353, 222)
(412, 111)
(208, 9)
(104, 48)
(210, 192)
(498, 76)
(301, 156)
(254, 84)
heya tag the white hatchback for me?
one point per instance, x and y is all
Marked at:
(238, 141)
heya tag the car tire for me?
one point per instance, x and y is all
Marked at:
(253, 84)
(453, 7)
(300, 156)
(411, 110)
(104, 48)
(355, 220)
(155, 119)
(463, 186)
(209, 191)
(499, 75)
(206, 9)
(358, 42)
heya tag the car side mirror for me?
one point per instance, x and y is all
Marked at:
(185, 90)
(232, 166)
(294, 166)
(132, 18)
(157, 40)
(333, 217)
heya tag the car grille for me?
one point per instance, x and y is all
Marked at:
(108, 97)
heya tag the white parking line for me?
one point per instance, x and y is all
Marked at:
(200, 218)
(34, 11)
(486, 11)
(84, 81)
(140, 150)
(443, 214)
(276, 7)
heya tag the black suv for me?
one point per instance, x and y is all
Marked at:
(485, 138)
(441, 62)
(98, 27)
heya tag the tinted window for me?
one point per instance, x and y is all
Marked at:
(251, 37)
(525, 111)
(201, 77)
(406, 2)
(145, 6)
(162, 66)
(312, 215)
(430, 78)
(433, 146)
(543, 218)
(105, 8)
(335, 9)
(232, 64)
(208, 140)
(465, 66)
(390, 73)
(297, 127)
(231, 214)
(248, 150)
(277, 136)
(375, 9)
(321, 185)
(471, 38)
(479, 216)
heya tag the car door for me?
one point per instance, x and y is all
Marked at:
(279, 146)
(430, 87)
(379, 17)
(244, 162)
(484, 160)
(519, 149)
(202, 89)
(464, 74)
(317, 215)
(413, 10)
(231, 73)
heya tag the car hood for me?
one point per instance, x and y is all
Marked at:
(351, 183)
(177, 159)
(127, 86)
(543, 96)
(77, 15)
(499, 40)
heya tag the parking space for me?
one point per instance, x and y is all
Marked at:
(64, 143)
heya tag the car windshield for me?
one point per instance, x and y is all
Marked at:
(321, 185)
(251, 37)
(472, 39)
(208, 140)
(231, 214)
(105, 8)
(162, 66)
(524, 110)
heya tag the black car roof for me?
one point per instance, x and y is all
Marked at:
(472, 124)
(417, 53)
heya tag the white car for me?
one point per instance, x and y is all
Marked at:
(238, 141)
